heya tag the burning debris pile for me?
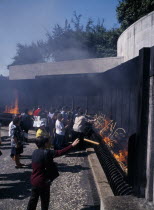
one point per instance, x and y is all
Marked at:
(12, 109)
(114, 138)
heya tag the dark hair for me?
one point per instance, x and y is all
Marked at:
(26, 111)
(80, 112)
(59, 116)
(41, 141)
(16, 120)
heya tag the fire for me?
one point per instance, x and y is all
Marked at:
(13, 109)
(121, 156)
(108, 141)
(112, 137)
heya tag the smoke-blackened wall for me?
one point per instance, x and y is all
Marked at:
(113, 93)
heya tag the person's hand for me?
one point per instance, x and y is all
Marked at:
(75, 142)
(66, 126)
(62, 120)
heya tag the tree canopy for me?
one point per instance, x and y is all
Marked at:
(74, 41)
(129, 11)
(70, 42)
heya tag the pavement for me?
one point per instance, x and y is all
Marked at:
(74, 189)
(82, 184)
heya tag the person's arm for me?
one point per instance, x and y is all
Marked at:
(91, 121)
(63, 151)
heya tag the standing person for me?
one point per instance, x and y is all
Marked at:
(64, 114)
(60, 132)
(37, 111)
(79, 127)
(26, 123)
(75, 112)
(10, 125)
(43, 170)
(43, 116)
(51, 122)
(16, 142)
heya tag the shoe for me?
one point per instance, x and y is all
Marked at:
(19, 166)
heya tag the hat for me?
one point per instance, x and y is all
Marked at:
(42, 123)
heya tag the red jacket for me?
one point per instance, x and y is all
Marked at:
(36, 112)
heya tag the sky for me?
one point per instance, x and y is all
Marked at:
(26, 21)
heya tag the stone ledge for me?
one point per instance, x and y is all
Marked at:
(107, 199)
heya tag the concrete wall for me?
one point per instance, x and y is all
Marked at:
(113, 92)
(30, 71)
(137, 36)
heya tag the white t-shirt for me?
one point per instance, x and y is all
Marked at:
(10, 127)
(79, 124)
(60, 128)
(51, 115)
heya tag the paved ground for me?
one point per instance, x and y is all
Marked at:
(74, 189)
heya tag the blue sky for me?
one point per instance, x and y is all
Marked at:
(24, 21)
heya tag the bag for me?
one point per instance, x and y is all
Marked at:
(53, 173)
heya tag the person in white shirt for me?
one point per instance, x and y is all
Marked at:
(64, 114)
(10, 127)
(60, 133)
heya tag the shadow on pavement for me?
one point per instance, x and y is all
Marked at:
(3, 148)
(78, 154)
(97, 207)
(26, 157)
(19, 188)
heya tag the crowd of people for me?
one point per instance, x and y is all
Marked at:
(57, 131)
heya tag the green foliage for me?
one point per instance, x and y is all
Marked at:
(70, 42)
(129, 11)
(29, 54)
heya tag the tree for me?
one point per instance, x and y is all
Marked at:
(29, 54)
(129, 11)
(71, 42)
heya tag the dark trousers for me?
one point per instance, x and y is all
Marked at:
(43, 193)
(80, 136)
(59, 142)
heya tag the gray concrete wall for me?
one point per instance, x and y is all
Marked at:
(137, 36)
(30, 71)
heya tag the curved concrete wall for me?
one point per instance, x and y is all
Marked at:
(137, 36)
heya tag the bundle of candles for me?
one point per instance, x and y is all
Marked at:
(90, 141)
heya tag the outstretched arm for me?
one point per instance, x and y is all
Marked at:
(63, 151)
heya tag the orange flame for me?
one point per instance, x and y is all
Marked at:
(13, 109)
(108, 141)
(106, 128)
(121, 156)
